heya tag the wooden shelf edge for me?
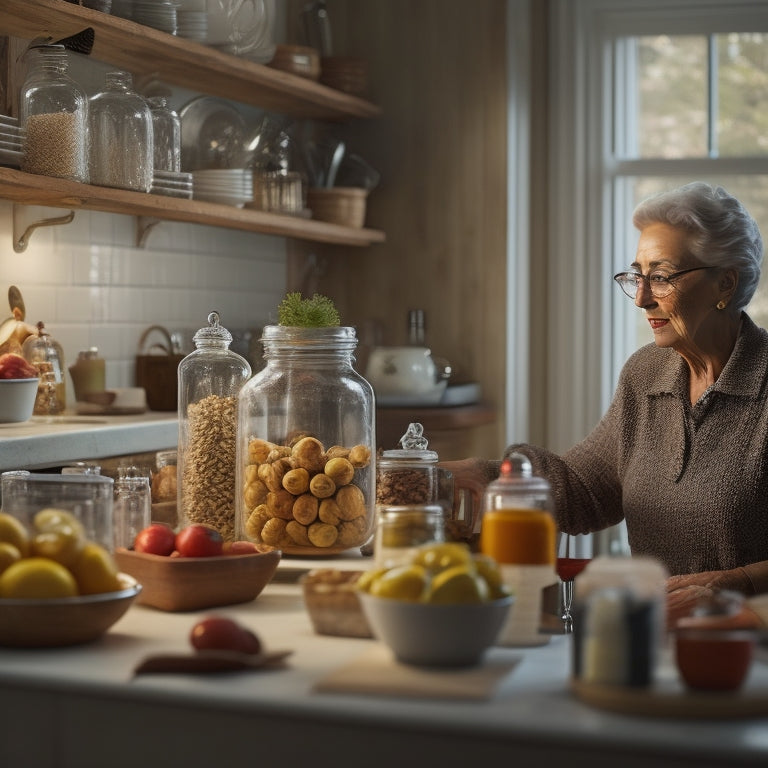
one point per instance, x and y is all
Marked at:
(440, 417)
(29, 189)
(147, 51)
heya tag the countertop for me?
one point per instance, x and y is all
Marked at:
(82, 707)
(51, 441)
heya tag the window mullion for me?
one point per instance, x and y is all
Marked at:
(712, 97)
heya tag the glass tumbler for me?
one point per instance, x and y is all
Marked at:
(132, 511)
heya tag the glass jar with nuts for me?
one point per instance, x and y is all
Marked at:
(306, 466)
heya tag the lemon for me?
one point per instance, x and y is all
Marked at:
(96, 571)
(8, 555)
(37, 577)
(367, 578)
(63, 545)
(438, 557)
(13, 531)
(51, 519)
(405, 582)
(489, 570)
(458, 584)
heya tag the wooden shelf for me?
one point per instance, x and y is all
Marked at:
(186, 63)
(29, 189)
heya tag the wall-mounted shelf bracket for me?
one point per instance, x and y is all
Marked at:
(23, 228)
(144, 225)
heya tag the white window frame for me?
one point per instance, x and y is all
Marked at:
(584, 354)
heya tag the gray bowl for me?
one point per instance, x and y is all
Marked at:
(17, 399)
(426, 634)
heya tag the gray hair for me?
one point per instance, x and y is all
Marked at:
(720, 230)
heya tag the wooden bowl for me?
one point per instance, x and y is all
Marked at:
(64, 621)
(195, 583)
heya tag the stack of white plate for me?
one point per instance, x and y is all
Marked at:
(172, 184)
(158, 15)
(192, 25)
(229, 186)
(11, 141)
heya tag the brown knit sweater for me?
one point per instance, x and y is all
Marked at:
(690, 481)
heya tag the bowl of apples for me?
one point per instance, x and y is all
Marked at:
(194, 568)
(19, 381)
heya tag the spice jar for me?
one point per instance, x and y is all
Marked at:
(46, 354)
(121, 145)
(54, 115)
(519, 532)
(210, 379)
(306, 470)
(166, 135)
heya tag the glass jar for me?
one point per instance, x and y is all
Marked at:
(121, 146)
(132, 511)
(210, 379)
(306, 437)
(46, 354)
(408, 475)
(54, 115)
(166, 135)
(401, 530)
(88, 373)
(518, 531)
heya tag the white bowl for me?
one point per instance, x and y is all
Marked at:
(17, 399)
(427, 634)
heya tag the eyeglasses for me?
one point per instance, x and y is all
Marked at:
(661, 285)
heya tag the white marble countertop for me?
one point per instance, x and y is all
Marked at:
(82, 707)
(56, 440)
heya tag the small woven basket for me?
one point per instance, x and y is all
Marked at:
(338, 205)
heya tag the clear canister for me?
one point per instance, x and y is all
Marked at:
(210, 379)
(46, 354)
(166, 135)
(306, 437)
(120, 132)
(54, 116)
(408, 475)
(401, 530)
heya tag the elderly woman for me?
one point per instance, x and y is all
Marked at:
(682, 452)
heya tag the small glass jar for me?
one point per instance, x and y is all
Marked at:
(306, 437)
(121, 146)
(166, 135)
(54, 115)
(132, 510)
(46, 354)
(408, 475)
(401, 530)
(210, 379)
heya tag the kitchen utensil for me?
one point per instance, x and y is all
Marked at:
(333, 167)
(405, 374)
(354, 171)
(317, 27)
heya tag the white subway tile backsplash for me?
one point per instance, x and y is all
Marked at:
(92, 286)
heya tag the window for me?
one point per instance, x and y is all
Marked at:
(643, 96)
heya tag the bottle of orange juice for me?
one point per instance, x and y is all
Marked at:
(519, 532)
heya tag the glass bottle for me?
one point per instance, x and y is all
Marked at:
(306, 437)
(54, 115)
(121, 146)
(166, 135)
(46, 354)
(210, 379)
(518, 531)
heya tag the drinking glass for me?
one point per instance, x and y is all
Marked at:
(573, 554)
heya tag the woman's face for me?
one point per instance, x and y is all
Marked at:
(687, 315)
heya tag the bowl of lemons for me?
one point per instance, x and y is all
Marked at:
(444, 608)
(57, 588)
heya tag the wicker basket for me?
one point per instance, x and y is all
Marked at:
(338, 205)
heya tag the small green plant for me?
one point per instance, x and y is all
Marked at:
(317, 312)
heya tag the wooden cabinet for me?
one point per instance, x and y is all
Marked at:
(185, 63)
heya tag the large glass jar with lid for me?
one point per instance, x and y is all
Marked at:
(306, 437)
(54, 116)
(210, 379)
(120, 128)
(46, 354)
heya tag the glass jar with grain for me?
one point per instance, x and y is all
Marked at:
(210, 379)
(54, 115)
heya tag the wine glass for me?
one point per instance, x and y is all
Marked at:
(573, 554)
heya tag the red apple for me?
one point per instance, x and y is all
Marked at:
(222, 634)
(156, 539)
(13, 366)
(199, 541)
